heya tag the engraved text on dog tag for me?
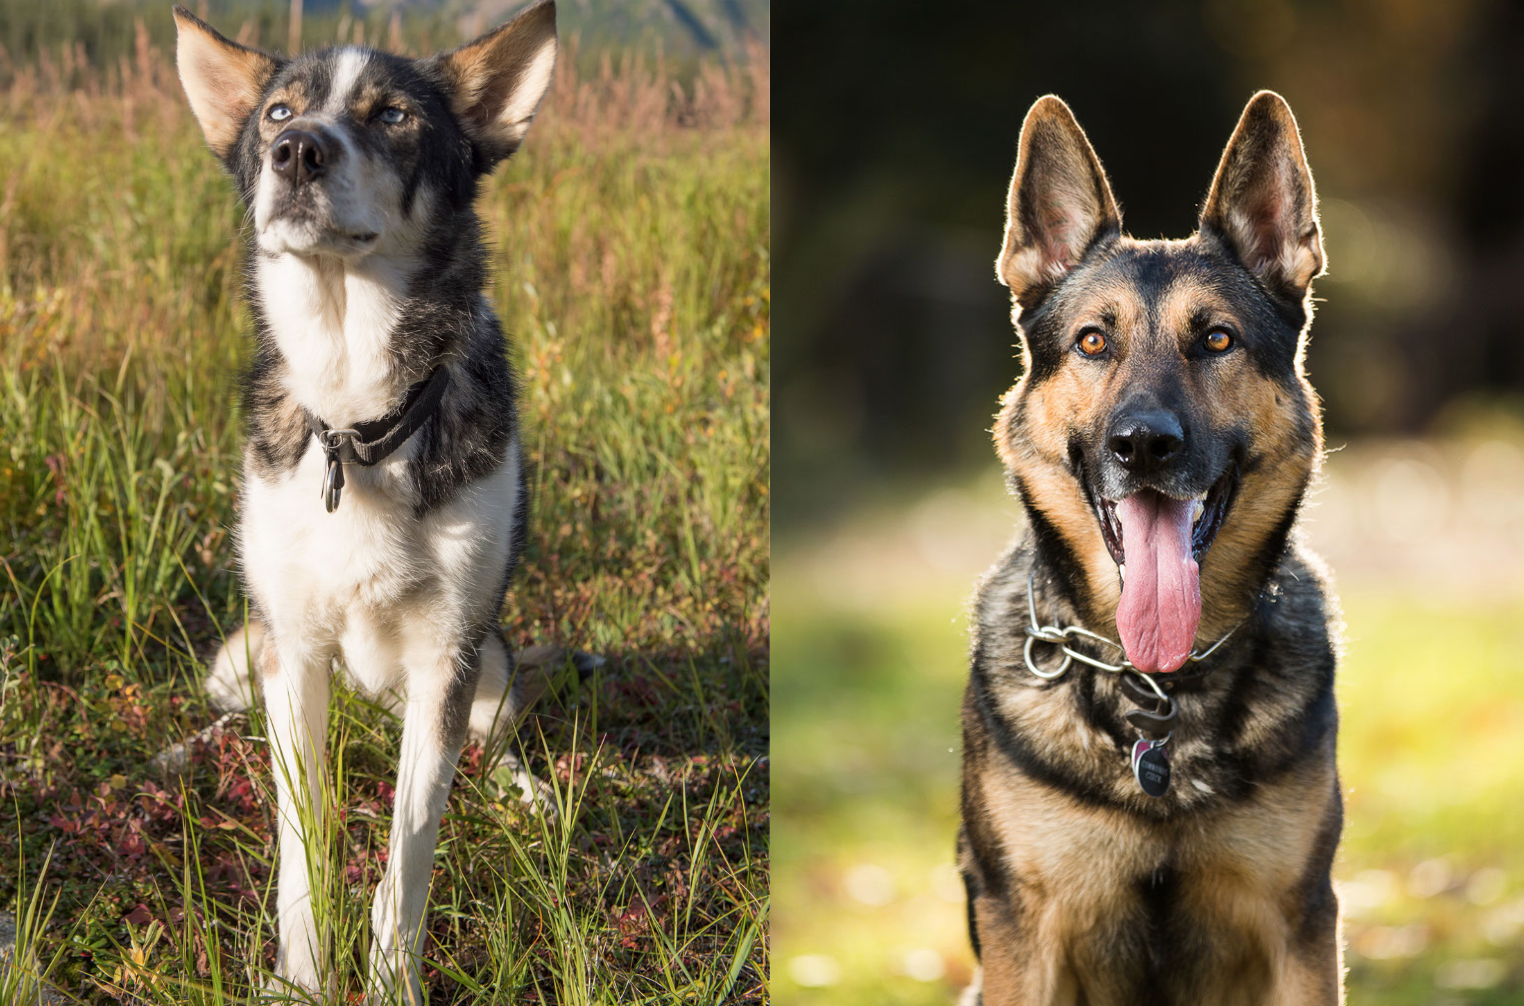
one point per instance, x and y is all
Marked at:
(1150, 767)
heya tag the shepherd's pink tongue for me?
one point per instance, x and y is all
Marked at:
(1161, 591)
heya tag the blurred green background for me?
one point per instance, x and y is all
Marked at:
(894, 138)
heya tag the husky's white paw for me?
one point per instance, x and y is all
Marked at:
(228, 682)
(511, 776)
(298, 987)
(386, 988)
(299, 975)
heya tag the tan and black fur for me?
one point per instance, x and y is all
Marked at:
(1082, 889)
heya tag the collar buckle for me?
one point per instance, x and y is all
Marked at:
(338, 449)
(339, 445)
(385, 435)
(333, 440)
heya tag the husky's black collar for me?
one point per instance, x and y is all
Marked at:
(374, 440)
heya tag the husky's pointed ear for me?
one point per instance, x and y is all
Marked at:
(496, 82)
(1060, 203)
(1262, 202)
(222, 79)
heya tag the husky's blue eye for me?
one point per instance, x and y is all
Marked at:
(392, 116)
(279, 113)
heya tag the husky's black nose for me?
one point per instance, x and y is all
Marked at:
(299, 156)
(1146, 441)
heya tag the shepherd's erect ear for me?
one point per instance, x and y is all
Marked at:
(1059, 204)
(222, 79)
(1262, 200)
(496, 82)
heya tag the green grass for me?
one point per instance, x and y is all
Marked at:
(870, 671)
(631, 271)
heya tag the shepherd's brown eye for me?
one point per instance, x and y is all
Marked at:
(1092, 344)
(1218, 341)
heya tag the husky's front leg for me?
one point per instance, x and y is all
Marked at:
(440, 687)
(295, 686)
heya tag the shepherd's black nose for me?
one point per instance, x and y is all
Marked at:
(1144, 442)
(299, 156)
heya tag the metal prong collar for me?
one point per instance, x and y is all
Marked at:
(1061, 635)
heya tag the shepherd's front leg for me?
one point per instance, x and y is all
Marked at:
(295, 685)
(440, 687)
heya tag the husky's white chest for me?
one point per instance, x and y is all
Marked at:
(375, 559)
(366, 551)
(333, 325)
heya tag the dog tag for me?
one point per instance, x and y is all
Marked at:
(1150, 767)
(333, 483)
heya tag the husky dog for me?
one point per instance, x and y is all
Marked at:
(1150, 801)
(384, 502)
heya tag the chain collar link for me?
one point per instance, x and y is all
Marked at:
(1061, 636)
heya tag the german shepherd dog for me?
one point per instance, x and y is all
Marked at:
(1150, 801)
(384, 501)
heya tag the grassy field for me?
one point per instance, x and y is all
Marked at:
(631, 270)
(870, 673)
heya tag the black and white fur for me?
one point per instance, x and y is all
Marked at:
(365, 274)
